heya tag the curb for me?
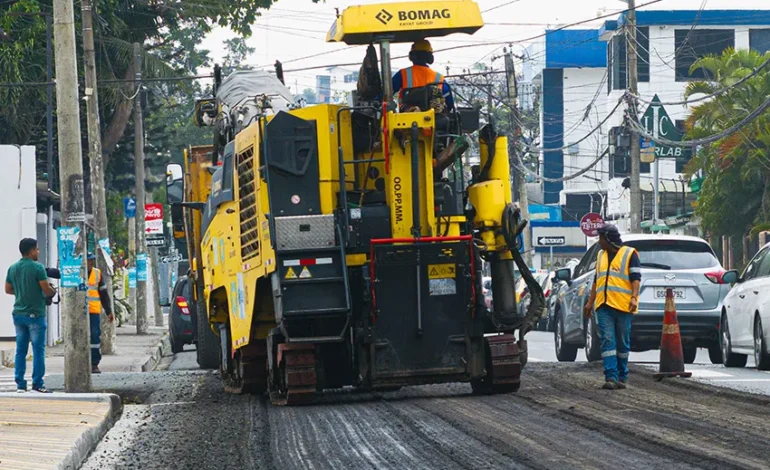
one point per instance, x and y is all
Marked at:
(90, 438)
(7, 357)
(163, 348)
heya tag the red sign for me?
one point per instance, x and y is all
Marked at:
(590, 224)
(153, 219)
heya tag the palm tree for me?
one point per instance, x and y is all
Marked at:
(734, 196)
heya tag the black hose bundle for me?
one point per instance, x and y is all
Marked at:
(512, 227)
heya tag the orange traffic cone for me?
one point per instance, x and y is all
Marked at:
(671, 355)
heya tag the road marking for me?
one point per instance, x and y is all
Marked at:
(741, 380)
(707, 374)
(534, 359)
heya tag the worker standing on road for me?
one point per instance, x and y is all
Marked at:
(615, 298)
(420, 74)
(27, 280)
(97, 299)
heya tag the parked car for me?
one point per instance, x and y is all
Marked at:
(181, 319)
(556, 293)
(746, 314)
(685, 264)
(486, 290)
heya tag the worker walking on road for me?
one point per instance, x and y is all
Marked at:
(27, 280)
(615, 298)
(420, 74)
(97, 299)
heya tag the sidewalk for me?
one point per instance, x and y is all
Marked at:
(134, 354)
(59, 430)
(53, 431)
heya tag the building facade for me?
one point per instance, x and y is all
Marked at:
(583, 78)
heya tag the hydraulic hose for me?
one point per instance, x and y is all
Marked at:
(512, 226)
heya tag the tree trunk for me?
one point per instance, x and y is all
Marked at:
(119, 121)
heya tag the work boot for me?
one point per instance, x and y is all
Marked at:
(622, 384)
(95, 370)
(610, 385)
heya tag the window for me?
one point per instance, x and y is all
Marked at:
(351, 77)
(674, 254)
(610, 66)
(752, 269)
(694, 44)
(643, 53)
(587, 263)
(616, 59)
(618, 72)
(759, 40)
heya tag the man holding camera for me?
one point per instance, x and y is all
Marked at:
(27, 280)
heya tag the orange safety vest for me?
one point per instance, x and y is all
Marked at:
(418, 76)
(94, 301)
(613, 285)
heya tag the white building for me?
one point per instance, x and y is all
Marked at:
(669, 42)
(335, 84)
(582, 75)
(19, 213)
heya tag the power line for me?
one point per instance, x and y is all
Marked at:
(705, 140)
(501, 6)
(493, 43)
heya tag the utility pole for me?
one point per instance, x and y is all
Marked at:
(98, 199)
(155, 265)
(141, 251)
(131, 266)
(77, 348)
(633, 82)
(510, 74)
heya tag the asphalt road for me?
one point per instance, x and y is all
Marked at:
(748, 379)
(180, 418)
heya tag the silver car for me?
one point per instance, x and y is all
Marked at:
(687, 265)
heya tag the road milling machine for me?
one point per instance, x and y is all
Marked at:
(342, 245)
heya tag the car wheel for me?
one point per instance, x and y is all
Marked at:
(689, 354)
(730, 359)
(209, 353)
(176, 345)
(715, 354)
(761, 357)
(593, 346)
(564, 352)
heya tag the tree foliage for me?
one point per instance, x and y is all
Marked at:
(481, 86)
(734, 195)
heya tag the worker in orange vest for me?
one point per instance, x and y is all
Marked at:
(420, 75)
(98, 298)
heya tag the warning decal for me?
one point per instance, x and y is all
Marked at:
(305, 274)
(441, 271)
(290, 274)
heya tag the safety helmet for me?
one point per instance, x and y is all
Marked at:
(91, 256)
(422, 46)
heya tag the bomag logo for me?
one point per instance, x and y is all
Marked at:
(423, 15)
(384, 16)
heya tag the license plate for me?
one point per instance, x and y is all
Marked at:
(679, 293)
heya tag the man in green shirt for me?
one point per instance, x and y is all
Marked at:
(27, 280)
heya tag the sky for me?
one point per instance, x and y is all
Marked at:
(293, 29)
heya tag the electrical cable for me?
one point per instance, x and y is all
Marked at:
(704, 140)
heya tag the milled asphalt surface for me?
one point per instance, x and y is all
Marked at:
(180, 418)
(746, 379)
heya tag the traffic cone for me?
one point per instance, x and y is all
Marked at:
(671, 355)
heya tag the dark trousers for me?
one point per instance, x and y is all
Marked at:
(96, 335)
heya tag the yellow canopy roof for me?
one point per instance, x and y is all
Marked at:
(405, 22)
